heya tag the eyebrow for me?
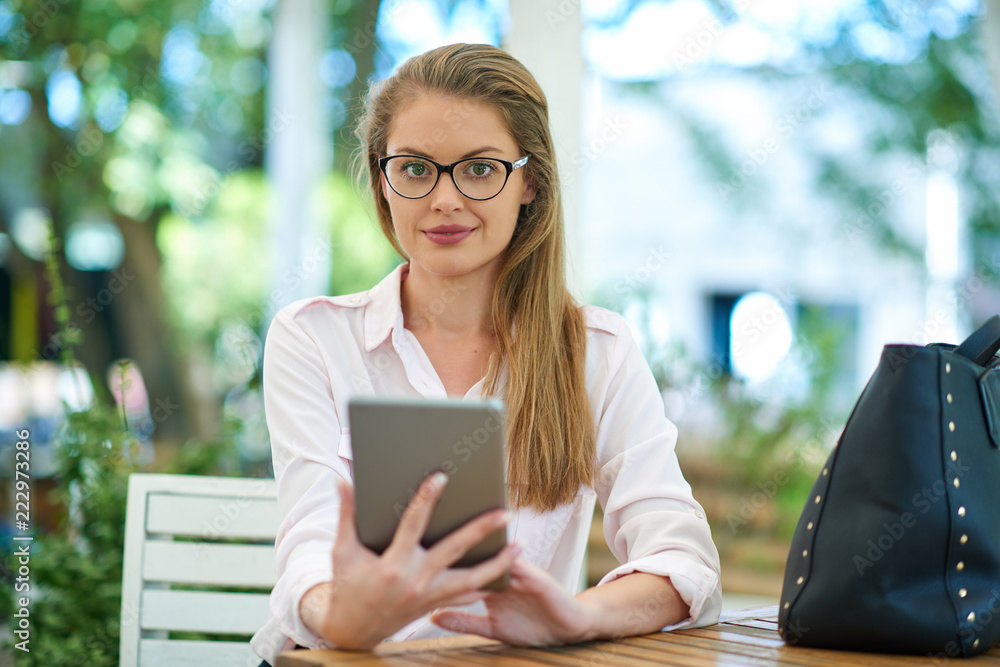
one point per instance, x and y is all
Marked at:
(406, 150)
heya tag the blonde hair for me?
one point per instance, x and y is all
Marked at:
(538, 330)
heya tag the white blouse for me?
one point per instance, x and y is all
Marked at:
(321, 351)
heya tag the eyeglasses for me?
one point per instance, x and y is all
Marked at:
(479, 178)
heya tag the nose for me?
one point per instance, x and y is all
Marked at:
(445, 196)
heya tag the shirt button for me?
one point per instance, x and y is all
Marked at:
(699, 514)
(355, 299)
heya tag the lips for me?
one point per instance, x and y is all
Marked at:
(448, 234)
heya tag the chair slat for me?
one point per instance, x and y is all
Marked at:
(204, 611)
(161, 507)
(212, 517)
(164, 653)
(209, 564)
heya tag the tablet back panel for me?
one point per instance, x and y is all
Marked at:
(399, 442)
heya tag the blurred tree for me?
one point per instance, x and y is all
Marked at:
(136, 109)
(138, 113)
(355, 24)
(917, 69)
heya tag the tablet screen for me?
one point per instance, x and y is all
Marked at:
(398, 442)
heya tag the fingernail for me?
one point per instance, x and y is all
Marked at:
(440, 478)
(507, 516)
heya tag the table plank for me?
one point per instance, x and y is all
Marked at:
(743, 637)
(761, 643)
(673, 653)
(632, 655)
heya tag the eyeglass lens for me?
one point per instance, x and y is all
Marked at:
(476, 178)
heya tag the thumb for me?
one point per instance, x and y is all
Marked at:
(347, 529)
(462, 622)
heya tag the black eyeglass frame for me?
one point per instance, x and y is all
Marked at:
(511, 167)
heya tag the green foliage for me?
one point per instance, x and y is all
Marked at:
(205, 274)
(157, 155)
(361, 256)
(76, 570)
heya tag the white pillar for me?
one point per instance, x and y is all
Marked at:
(945, 253)
(298, 153)
(546, 35)
(990, 33)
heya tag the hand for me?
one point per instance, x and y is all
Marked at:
(372, 596)
(534, 610)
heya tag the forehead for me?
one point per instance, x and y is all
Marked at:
(447, 128)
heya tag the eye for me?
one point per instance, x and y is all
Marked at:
(415, 169)
(481, 169)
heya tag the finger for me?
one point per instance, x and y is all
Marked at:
(347, 529)
(457, 581)
(462, 622)
(449, 549)
(526, 577)
(464, 599)
(417, 515)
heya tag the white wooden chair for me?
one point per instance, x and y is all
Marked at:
(199, 557)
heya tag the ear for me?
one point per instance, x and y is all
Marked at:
(385, 186)
(529, 193)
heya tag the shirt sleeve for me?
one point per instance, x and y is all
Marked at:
(652, 523)
(306, 436)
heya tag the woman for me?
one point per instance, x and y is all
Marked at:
(464, 180)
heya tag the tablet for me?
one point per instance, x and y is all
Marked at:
(397, 442)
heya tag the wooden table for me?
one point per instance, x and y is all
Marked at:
(744, 637)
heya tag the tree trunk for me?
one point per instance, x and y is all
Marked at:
(182, 404)
(359, 24)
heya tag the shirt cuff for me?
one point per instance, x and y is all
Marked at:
(698, 585)
(310, 572)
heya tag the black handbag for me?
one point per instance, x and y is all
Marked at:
(898, 547)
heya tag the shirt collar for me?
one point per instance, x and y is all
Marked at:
(384, 310)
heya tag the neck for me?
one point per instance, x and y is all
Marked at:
(452, 306)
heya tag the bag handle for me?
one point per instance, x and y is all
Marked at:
(983, 343)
